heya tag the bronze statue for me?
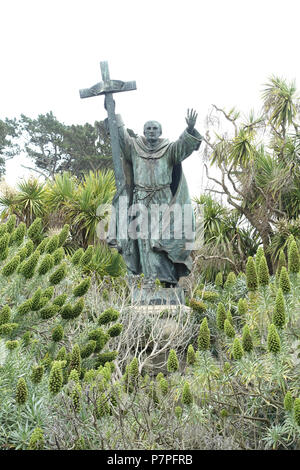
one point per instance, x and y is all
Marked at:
(150, 228)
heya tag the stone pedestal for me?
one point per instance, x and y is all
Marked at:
(151, 295)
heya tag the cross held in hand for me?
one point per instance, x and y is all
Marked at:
(107, 87)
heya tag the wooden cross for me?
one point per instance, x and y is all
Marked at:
(107, 87)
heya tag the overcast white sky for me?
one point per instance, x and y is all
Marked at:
(182, 54)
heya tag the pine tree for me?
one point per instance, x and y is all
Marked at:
(251, 274)
(204, 336)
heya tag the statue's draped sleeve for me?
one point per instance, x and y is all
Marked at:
(124, 139)
(184, 146)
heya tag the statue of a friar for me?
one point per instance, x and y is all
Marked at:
(153, 222)
(160, 218)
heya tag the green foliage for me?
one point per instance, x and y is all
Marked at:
(59, 275)
(4, 246)
(221, 316)
(279, 317)
(108, 316)
(197, 306)
(60, 300)
(186, 396)
(58, 255)
(163, 386)
(88, 349)
(11, 223)
(82, 288)
(63, 235)
(228, 329)
(21, 392)
(7, 328)
(25, 307)
(115, 330)
(19, 234)
(259, 254)
(288, 402)
(48, 293)
(28, 267)
(49, 311)
(237, 350)
(11, 345)
(57, 333)
(219, 279)
(284, 281)
(273, 341)
(172, 364)
(191, 356)
(133, 370)
(230, 280)
(204, 336)
(35, 230)
(178, 412)
(37, 374)
(87, 256)
(52, 244)
(56, 377)
(77, 256)
(5, 314)
(104, 357)
(263, 272)
(297, 410)
(36, 441)
(242, 307)
(75, 359)
(247, 342)
(293, 258)
(251, 274)
(36, 300)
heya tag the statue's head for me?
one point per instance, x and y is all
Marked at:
(152, 131)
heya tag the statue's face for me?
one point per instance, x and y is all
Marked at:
(152, 131)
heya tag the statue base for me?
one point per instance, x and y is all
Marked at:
(152, 295)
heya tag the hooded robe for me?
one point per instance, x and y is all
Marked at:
(155, 243)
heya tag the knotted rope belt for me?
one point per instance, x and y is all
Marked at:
(149, 190)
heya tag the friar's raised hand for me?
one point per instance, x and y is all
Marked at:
(191, 119)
